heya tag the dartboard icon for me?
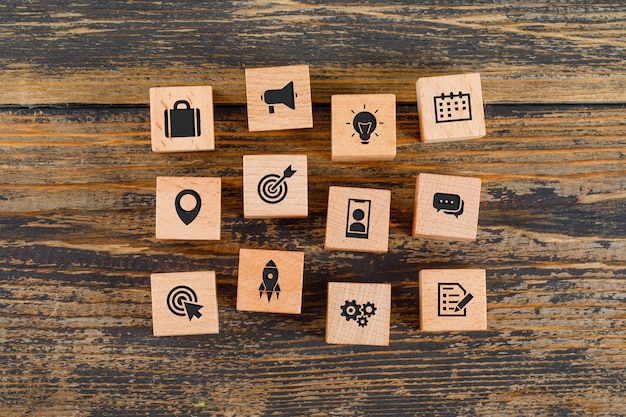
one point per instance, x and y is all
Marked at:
(273, 188)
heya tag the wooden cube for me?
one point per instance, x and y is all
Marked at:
(358, 313)
(188, 208)
(363, 127)
(453, 299)
(270, 281)
(446, 207)
(184, 303)
(450, 107)
(279, 98)
(275, 186)
(358, 219)
(181, 119)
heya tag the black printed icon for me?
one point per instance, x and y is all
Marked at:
(285, 95)
(273, 188)
(364, 124)
(452, 108)
(182, 122)
(453, 299)
(270, 285)
(358, 221)
(188, 216)
(449, 203)
(358, 312)
(183, 301)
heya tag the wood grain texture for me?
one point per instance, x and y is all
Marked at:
(77, 210)
(113, 52)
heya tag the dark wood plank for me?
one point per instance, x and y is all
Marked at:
(77, 246)
(113, 52)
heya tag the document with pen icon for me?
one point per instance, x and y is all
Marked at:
(453, 299)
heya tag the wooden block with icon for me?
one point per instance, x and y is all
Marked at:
(363, 127)
(358, 313)
(452, 299)
(450, 107)
(184, 303)
(181, 119)
(275, 186)
(188, 208)
(358, 219)
(279, 98)
(270, 281)
(446, 207)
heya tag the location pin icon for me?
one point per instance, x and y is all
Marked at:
(187, 216)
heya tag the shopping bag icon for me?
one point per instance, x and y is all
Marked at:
(182, 122)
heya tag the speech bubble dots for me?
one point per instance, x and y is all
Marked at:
(443, 201)
(449, 203)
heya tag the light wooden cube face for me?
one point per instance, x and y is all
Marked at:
(188, 208)
(363, 127)
(450, 107)
(446, 207)
(275, 186)
(279, 98)
(181, 119)
(358, 313)
(184, 303)
(453, 299)
(358, 219)
(270, 281)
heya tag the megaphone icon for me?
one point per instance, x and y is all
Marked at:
(284, 96)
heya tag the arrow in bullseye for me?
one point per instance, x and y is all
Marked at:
(287, 173)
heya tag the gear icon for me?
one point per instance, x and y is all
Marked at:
(350, 310)
(369, 309)
(362, 321)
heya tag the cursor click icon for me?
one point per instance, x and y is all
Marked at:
(182, 301)
(193, 310)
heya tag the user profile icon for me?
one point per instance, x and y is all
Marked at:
(357, 224)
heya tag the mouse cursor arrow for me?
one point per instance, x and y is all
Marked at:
(193, 310)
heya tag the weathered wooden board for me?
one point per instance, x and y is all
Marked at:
(77, 247)
(114, 52)
(77, 209)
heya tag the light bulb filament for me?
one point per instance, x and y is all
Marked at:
(365, 130)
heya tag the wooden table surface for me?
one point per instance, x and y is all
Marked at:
(77, 209)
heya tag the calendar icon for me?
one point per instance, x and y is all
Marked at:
(452, 108)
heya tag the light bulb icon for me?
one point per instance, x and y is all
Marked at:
(364, 123)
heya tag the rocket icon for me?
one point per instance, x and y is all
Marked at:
(270, 281)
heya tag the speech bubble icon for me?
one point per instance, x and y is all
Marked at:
(449, 203)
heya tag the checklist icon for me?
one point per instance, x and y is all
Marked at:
(453, 299)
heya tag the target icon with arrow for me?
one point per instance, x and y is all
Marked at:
(273, 187)
(182, 301)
